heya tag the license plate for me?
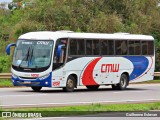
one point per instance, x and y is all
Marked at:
(27, 82)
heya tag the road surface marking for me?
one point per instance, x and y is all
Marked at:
(75, 103)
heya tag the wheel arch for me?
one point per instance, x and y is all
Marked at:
(76, 78)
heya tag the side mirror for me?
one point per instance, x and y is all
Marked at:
(59, 50)
(8, 48)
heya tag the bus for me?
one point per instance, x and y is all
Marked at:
(66, 59)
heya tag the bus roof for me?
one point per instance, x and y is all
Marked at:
(49, 35)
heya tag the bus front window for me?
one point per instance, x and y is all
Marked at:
(32, 54)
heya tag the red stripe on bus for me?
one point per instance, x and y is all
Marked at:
(87, 77)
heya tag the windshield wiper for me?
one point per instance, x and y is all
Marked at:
(25, 57)
(28, 54)
(30, 58)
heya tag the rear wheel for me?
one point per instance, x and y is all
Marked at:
(92, 87)
(36, 88)
(70, 84)
(123, 83)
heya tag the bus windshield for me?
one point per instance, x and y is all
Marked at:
(32, 53)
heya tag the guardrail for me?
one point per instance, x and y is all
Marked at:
(8, 75)
(156, 74)
(5, 75)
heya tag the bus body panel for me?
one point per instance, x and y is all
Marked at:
(104, 70)
(98, 73)
(90, 70)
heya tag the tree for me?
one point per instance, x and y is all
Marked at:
(104, 16)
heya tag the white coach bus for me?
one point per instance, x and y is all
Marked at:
(68, 59)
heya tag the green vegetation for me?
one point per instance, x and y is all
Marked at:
(148, 82)
(93, 108)
(152, 81)
(101, 107)
(6, 83)
(102, 16)
(5, 63)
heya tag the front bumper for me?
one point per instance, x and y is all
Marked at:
(19, 81)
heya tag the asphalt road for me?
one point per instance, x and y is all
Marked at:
(25, 97)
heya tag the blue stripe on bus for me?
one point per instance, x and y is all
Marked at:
(140, 64)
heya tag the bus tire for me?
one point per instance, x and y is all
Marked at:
(122, 85)
(70, 85)
(36, 88)
(92, 87)
(114, 87)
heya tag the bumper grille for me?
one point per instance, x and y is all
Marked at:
(27, 78)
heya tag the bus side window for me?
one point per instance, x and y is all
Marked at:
(150, 48)
(118, 47)
(110, 47)
(137, 47)
(124, 47)
(59, 61)
(131, 47)
(73, 47)
(81, 47)
(88, 47)
(144, 48)
(104, 47)
(96, 47)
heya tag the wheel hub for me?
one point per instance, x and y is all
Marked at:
(70, 83)
(123, 82)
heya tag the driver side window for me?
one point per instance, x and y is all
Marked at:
(58, 61)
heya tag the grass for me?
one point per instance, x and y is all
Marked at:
(152, 81)
(148, 82)
(6, 83)
(100, 107)
(90, 109)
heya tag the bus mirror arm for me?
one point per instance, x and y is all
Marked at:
(59, 51)
(8, 48)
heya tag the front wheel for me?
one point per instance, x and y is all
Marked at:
(36, 88)
(70, 84)
(122, 85)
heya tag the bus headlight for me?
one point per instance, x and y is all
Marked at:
(44, 77)
(14, 76)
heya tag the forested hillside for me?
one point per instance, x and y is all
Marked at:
(103, 16)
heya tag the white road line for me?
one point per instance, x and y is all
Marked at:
(22, 95)
(130, 91)
(75, 103)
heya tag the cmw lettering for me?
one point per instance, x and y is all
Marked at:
(42, 42)
(109, 68)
